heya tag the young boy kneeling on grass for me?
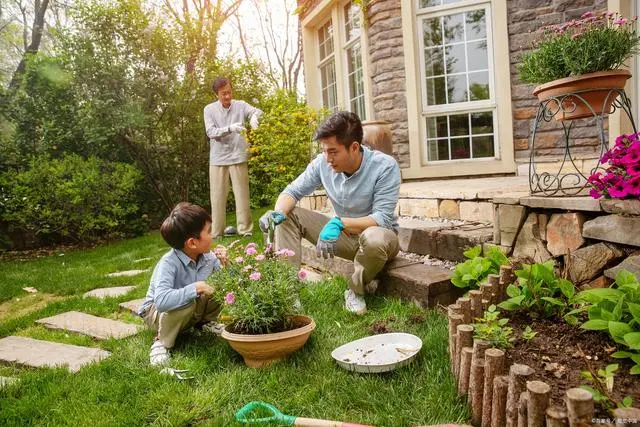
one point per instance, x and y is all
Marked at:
(178, 297)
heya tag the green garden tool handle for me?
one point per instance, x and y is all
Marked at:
(271, 232)
(280, 418)
(276, 416)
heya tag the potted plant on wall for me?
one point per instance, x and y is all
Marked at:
(259, 295)
(578, 56)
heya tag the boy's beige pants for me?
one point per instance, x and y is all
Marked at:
(169, 324)
(369, 250)
(219, 188)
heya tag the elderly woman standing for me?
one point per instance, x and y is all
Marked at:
(224, 123)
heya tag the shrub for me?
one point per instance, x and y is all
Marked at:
(494, 330)
(280, 148)
(621, 178)
(72, 199)
(593, 43)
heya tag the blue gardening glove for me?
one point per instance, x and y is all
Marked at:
(276, 217)
(326, 246)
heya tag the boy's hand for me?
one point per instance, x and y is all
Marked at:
(221, 253)
(203, 289)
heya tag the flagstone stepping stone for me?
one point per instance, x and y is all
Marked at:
(103, 293)
(38, 353)
(127, 273)
(96, 327)
(132, 306)
(5, 381)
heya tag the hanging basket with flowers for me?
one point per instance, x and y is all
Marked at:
(577, 64)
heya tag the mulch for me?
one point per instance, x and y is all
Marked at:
(560, 352)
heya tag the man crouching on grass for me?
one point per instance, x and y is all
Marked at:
(178, 297)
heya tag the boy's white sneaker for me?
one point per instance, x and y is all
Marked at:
(354, 303)
(158, 355)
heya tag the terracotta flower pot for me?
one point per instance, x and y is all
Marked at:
(572, 106)
(377, 136)
(264, 349)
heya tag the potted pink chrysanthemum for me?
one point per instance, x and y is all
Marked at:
(258, 291)
(621, 177)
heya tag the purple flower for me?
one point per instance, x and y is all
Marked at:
(260, 257)
(255, 275)
(302, 275)
(633, 186)
(595, 193)
(230, 298)
(619, 190)
(239, 260)
(634, 169)
(620, 21)
(251, 250)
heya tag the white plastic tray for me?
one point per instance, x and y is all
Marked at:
(378, 353)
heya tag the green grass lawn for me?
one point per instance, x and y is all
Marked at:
(125, 390)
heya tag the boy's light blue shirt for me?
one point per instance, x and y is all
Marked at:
(373, 190)
(173, 282)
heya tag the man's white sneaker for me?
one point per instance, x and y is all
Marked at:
(354, 303)
(372, 286)
(158, 355)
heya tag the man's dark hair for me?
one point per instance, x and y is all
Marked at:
(344, 125)
(186, 220)
(219, 83)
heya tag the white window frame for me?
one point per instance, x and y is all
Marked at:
(499, 103)
(323, 62)
(345, 46)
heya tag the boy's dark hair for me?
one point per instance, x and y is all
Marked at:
(344, 125)
(219, 83)
(186, 220)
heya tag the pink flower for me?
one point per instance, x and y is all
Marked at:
(633, 186)
(230, 298)
(268, 249)
(247, 268)
(620, 21)
(302, 275)
(251, 245)
(588, 15)
(239, 259)
(595, 193)
(289, 253)
(251, 251)
(260, 257)
(634, 170)
(255, 275)
(619, 190)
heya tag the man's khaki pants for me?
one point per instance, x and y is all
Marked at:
(369, 250)
(169, 324)
(219, 185)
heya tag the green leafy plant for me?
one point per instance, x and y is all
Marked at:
(528, 334)
(616, 311)
(477, 268)
(539, 291)
(493, 329)
(258, 290)
(593, 43)
(603, 383)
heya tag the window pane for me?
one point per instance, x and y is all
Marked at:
(432, 32)
(355, 80)
(459, 124)
(328, 81)
(477, 54)
(457, 88)
(483, 146)
(482, 123)
(460, 148)
(455, 59)
(325, 40)
(453, 28)
(436, 93)
(437, 127)
(476, 25)
(352, 21)
(479, 85)
(438, 149)
(434, 62)
(429, 3)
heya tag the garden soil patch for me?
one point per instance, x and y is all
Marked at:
(559, 352)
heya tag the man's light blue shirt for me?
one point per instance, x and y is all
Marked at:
(173, 282)
(373, 190)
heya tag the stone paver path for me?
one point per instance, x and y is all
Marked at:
(96, 327)
(127, 273)
(37, 353)
(103, 293)
(312, 275)
(132, 306)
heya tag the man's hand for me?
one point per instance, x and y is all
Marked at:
(237, 128)
(254, 122)
(328, 239)
(203, 289)
(276, 217)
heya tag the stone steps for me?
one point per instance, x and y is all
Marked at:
(425, 285)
